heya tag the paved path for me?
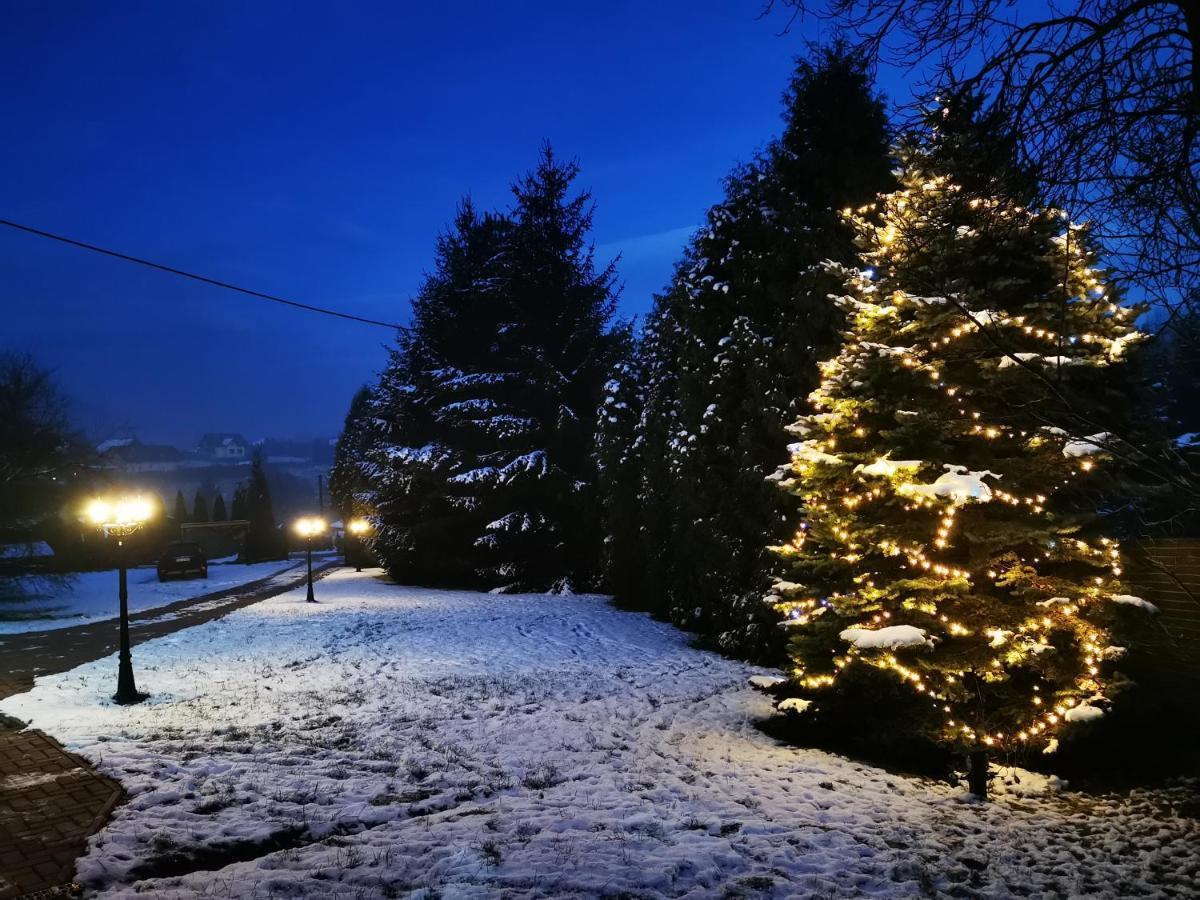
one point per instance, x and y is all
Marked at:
(51, 800)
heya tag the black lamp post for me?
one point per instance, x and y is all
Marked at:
(121, 520)
(308, 527)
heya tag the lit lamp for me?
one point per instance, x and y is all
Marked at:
(119, 519)
(308, 527)
(358, 528)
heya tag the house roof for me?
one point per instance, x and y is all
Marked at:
(134, 451)
(215, 439)
(105, 446)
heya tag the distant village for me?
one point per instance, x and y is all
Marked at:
(202, 490)
(217, 464)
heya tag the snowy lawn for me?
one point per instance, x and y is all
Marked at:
(392, 740)
(61, 602)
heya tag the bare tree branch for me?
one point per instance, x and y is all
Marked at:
(1104, 96)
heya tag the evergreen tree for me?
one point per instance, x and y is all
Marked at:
(952, 471)
(563, 343)
(181, 510)
(347, 479)
(619, 482)
(734, 342)
(263, 540)
(218, 510)
(40, 453)
(480, 468)
(976, 146)
(237, 511)
(199, 507)
(434, 411)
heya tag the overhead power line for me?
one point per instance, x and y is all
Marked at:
(192, 275)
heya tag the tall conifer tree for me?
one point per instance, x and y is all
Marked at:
(199, 507)
(482, 471)
(619, 470)
(434, 411)
(237, 509)
(346, 478)
(734, 342)
(263, 540)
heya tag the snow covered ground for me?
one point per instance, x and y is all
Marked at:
(394, 741)
(90, 596)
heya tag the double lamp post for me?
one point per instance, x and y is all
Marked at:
(309, 528)
(120, 519)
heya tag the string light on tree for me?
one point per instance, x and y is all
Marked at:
(947, 527)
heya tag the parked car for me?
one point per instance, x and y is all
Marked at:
(182, 559)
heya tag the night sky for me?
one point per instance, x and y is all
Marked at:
(315, 151)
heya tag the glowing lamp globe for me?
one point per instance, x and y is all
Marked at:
(309, 526)
(125, 514)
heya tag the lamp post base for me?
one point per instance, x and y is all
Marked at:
(311, 597)
(127, 693)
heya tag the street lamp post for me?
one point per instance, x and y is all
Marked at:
(308, 527)
(358, 528)
(120, 519)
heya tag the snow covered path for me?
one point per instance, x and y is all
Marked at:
(92, 596)
(392, 741)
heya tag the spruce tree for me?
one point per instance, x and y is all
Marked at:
(619, 474)
(181, 510)
(347, 479)
(199, 507)
(481, 471)
(434, 411)
(952, 469)
(263, 540)
(218, 510)
(237, 510)
(563, 343)
(634, 422)
(733, 344)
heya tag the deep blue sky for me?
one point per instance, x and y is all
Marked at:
(315, 151)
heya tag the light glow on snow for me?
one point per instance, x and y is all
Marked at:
(412, 740)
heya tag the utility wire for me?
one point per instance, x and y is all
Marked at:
(192, 275)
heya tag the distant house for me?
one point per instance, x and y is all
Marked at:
(225, 446)
(131, 455)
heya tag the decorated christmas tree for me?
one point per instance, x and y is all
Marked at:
(952, 470)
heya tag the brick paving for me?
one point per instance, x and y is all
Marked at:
(52, 800)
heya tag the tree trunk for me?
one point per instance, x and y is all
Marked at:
(977, 775)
